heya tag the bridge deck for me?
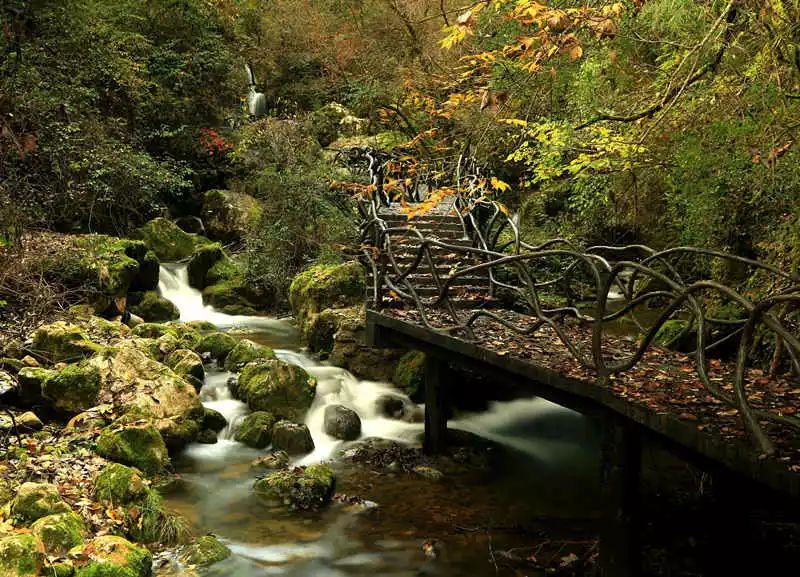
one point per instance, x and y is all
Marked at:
(661, 395)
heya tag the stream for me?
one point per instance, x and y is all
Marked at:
(542, 466)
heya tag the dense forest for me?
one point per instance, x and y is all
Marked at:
(169, 165)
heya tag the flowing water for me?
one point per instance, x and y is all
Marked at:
(541, 465)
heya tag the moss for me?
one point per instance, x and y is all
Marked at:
(60, 533)
(224, 269)
(118, 484)
(675, 334)
(31, 381)
(62, 342)
(147, 277)
(152, 330)
(409, 375)
(36, 500)
(326, 286)
(218, 345)
(293, 438)
(202, 261)
(228, 215)
(155, 308)
(256, 430)
(283, 389)
(244, 352)
(205, 551)
(188, 336)
(73, 389)
(213, 420)
(186, 362)
(308, 488)
(167, 240)
(113, 556)
(202, 326)
(20, 555)
(134, 442)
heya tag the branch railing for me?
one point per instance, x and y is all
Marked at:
(615, 283)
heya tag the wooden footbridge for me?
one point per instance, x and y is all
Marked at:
(451, 276)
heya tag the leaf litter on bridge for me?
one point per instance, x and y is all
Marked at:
(663, 381)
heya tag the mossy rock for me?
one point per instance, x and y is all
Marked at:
(36, 500)
(155, 308)
(307, 489)
(9, 365)
(237, 296)
(105, 331)
(152, 330)
(21, 555)
(217, 345)
(409, 375)
(135, 442)
(186, 362)
(205, 551)
(283, 389)
(293, 438)
(325, 287)
(676, 334)
(213, 420)
(118, 484)
(31, 381)
(255, 430)
(147, 278)
(202, 261)
(188, 336)
(229, 215)
(59, 533)
(201, 326)
(325, 122)
(62, 342)
(224, 269)
(167, 240)
(73, 389)
(246, 351)
(113, 556)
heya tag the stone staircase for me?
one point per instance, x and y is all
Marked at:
(466, 292)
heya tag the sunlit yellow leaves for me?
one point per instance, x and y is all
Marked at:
(498, 184)
(514, 122)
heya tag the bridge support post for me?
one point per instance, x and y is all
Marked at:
(435, 441)
(619, 543)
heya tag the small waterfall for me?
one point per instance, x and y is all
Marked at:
(216, 395)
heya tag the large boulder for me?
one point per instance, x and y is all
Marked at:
(202, 261)
(213, 420)
(36, 500)
(134, 382)
(283, 389)
(61, 342)
(342, 423)
(217, 345)
(60, 532)
(113, 556)
(117, 484)
(293, 438)
(229, 215)
(326, 287)
(246, 351)
(74, 388)
(307, 489)
(185, 362)
(409, 375)
(205, 551)
(167, 240)
(255, 430)
(134, 442)
(154, 308)
(30, 383)
(228, 290)
(21, 555)
(147, 278)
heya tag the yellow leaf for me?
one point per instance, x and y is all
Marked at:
(514, 122)
(498, 184)
(575, 51)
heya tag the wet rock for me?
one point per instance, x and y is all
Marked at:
(134, 442)
(207, 437)
(29, 361)
(246, 351)
(167, 240)
(28, 421)
(283, 389)
(36, 500)
(61, 341)
(112, 556)
(21, 555)
(275, 461)
(202, 260)
(147, 278)
(155, 308)
(190, 224)
(205, 551)
(326, 287)
(186, 362)
(73, 389)
(428, 472)
(256, 430)
(60, 532)
(342, 422)
(308, 488)
(397, 407)
(213, 420)
(230, 215)
(117, 484)
(217, 345)
(294, 438)
(409, 375)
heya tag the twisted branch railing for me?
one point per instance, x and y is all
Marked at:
(615, 283)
